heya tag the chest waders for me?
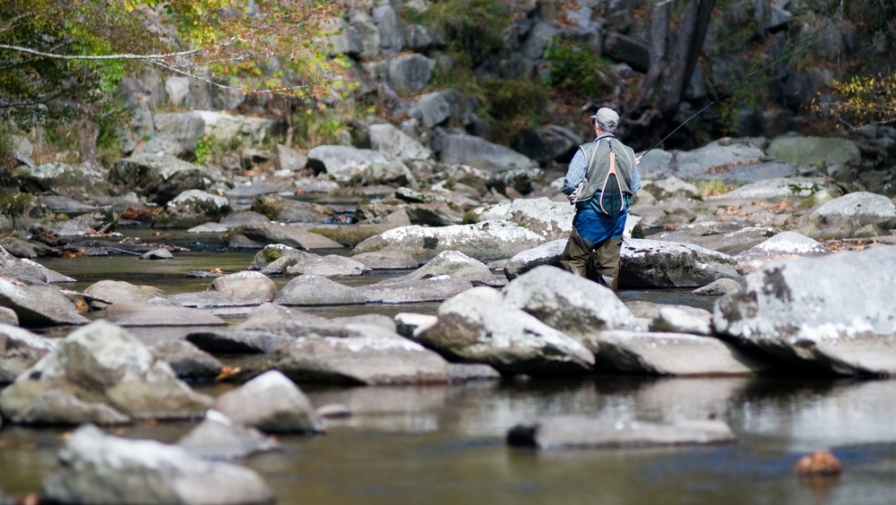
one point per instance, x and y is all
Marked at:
(598, 262)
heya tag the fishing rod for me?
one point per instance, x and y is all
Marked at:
(801, 45)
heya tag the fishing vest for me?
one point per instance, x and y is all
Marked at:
(604, 159)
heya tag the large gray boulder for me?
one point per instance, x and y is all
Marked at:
(106, 470)
(248, 287)
(656, 264)
(28, 271)
(484, 241)
(480, 153)
(833, 313)
(331, 265)
(271, 403)
(394, 144)
(552, 220)
(785, 245)
(342, 162)
(192, 208)
(159, 178)
(258, 235)
(677, 354)
(574, 305)
(39, 305)
(410, 72)
(377, 357)
(524, 261)
(404, 290)
(106, 292)
(582, 432)
(476, 326)
(102, 374)
(815, 151)
(296, 323)
(310, 290)
(866, 208)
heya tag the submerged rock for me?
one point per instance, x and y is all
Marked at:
(220, 437)
(581, 432)
(107, 470)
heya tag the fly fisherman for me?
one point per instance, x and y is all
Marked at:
(602, 177)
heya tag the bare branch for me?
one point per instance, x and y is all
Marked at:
(101, 57)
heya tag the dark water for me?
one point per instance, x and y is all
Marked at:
(445, 444)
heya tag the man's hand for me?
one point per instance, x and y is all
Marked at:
(574, 196)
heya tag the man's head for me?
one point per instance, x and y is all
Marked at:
(606, 119)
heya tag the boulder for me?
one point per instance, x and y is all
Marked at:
(106, 292)
(866, 208)
(271, 403)
(19, 350)
(678, 354)
(219, 437)
(258, 235)
(343, 161)
(815, 151)
(39, 305)
(775, 190)
(100, 373)
(785, 245)
(378, 357)
(524, 261)
(582, 432)
(720, 287)
(432, 108)
(248, 287)
(187, 361)
(656, 264)
(405, 290)
(829, 314)
(160, 178)
(107, 470)
(410, 72)
(225, 127)
(480, 153)
(28, 271)
(295, 323)
(387, 260)
(484, 241)
(310, 290)
(456, 265)
(727, 238)
(394, 144)
(331, 265)
(237, 341)
(192, 208)
(476, 326)
(574, 305)
(551, 220)
(159, 314)
(681, 319)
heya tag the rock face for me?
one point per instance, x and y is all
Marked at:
(580, 432)
(106, 470)
(271, 403)
(477, 327)
(834, 313)
(102, 374)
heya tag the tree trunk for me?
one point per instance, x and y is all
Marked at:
(674, 53)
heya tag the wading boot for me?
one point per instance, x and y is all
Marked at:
(577, 254)
(605, 269)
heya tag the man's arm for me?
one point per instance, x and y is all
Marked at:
(575, 174)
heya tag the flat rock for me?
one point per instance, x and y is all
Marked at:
(237, 341)
(785, 245)
(259, 235)
(657, 264)
(311, 290)
(431, 289)
(581, 432)
(160, 315)
(39, 305)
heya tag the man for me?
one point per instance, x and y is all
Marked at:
(600, 182)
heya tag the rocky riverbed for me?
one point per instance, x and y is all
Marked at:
(798, 272)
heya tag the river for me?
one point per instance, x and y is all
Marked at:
(445, 444)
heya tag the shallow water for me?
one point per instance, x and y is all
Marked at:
(445, 444)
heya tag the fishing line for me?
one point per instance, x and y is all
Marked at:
(801, 46)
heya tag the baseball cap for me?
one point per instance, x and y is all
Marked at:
(606, 115)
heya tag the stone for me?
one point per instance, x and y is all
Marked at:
(868, 208)
(159, 178)
(187, 361)
(387, 260)
(258, 235)
(287, 321)
(19, 350)
(815, 151)
(271, 403)
(524, 261)
(656, 264)
(551, 220)
(156, 314)
(410, 72)
(247, 287)
(105, 470)
(484, 241)
(29, 271)
(785, 245)
(477, 327)
(312, 290)
(720, 287)
(157, 254)
(582, 432)
(832, 313)
(331, 265)
(480, 153)
(106, 292)
(237, 341)
(218, 437)
(395, 144)
(406, 290)
(39, 305)
(378, 357)
(574, 305)
(682, 319)
(99, 373)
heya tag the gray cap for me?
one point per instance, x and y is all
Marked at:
(606, 115)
